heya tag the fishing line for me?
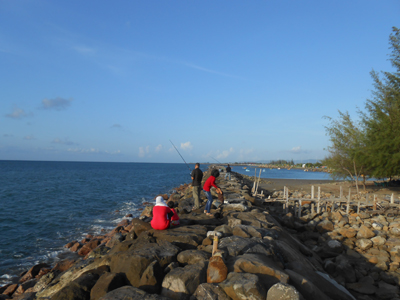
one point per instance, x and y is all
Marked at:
(180, 156)
(216, 160)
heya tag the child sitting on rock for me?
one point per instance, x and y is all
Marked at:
(175, 217)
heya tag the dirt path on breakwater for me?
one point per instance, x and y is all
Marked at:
(327, 186)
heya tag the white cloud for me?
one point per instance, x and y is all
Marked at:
(225, 153)
(18, 113)
(298, 150)
(63, 142)
(92, 151)
(187, 146)
(143, 151)
(29, 137)
(158, 148)
(56, 103)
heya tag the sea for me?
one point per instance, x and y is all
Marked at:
(44, 205)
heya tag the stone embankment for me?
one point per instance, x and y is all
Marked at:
(262, 254)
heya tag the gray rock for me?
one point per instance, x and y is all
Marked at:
(387, 291)
(79, 289)
(180, 283)
(261, 265)
(330, 287)
(134, 261)
(185, 237)
(243, 286)
(131, 293)
(378, 241)
(106, 283)
(306, 287)
(208, 291)
(192, 257)
(364, 244)
(325, 226)
(282, 291)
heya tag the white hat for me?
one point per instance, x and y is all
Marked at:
(160, 201)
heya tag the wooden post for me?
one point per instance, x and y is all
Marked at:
(294, 208)
(299, 208)
(312, 207)
(319, 199)
(341, 192)
(392, 199)
(374, 203)
(348, 202)
(258, 182)
(312, 192)
(286, 201)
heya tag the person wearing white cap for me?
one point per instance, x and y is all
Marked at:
(161, 215)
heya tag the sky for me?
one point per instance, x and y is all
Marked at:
(226, 81)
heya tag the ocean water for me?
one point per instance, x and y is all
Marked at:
(45, 205)
(282, 173)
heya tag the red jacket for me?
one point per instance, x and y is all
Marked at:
(175, 217)
(160, 217)
(209, 182)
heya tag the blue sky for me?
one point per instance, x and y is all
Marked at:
(226, 80)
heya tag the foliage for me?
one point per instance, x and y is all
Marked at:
(371, 147)
(347, 150)
(382, 120)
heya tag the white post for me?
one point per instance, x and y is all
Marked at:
(319, 199)
(312, 192)
(348, 202)
(392, 199)
(299, 209)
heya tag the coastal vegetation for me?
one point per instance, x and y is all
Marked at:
(369, 146)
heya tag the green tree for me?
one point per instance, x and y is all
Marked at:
(382, 117)
(347, 150)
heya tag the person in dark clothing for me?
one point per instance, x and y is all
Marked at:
(228, 172)
(197, 177)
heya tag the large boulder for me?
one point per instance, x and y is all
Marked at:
(268, 270)
(135, 261)
(365, 233)
(243, 286)
(208, 291)
(131, 293)
(79, 289)
(106, 283)
(282, 291)
(180, 283)
(329, 286)
(185, 237)
(306, 288)
(192, 257)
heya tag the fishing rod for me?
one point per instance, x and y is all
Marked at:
(180, 156)
(216, 160)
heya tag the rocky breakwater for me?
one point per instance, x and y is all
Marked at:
(260, 255)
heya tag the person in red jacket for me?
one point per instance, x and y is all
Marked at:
(175, 217)
(161, 215)
(207, 187)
